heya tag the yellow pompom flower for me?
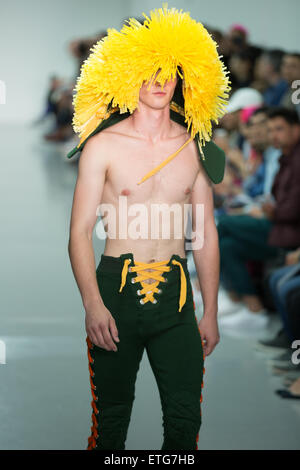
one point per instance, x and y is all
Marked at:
(168, 42)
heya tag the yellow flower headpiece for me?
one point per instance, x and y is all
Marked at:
(169, 41)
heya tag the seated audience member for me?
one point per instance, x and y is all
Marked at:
(263, 162)
(50, 104)
(240, 99)
(284, 133)
(235, 41)
(80, 48)
(293, 309)
(268, 232)
(216, 34)
(268, 68)
(63, 130)
(241, 65)
(257, 172)
(286, 290)
(283, 281)
(290, 70)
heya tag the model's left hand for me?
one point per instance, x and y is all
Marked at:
(209, 332)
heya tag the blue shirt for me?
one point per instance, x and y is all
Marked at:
(273, 94)
(262, 180)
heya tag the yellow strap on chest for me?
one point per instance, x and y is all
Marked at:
(162, 164)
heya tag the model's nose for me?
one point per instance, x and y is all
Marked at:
(158, 86)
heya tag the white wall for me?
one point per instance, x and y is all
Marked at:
(273, 23)
(34, 36)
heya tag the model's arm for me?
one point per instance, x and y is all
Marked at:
(207, 260)
(92, 167)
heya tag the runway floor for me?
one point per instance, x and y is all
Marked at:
(44, 385)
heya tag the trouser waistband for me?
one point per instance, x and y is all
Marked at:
(126, 263)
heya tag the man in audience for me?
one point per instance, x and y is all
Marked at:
(290, 71)
(268, 232)
(268, 68)
(260, 181)
(284, 131)
(257, 172)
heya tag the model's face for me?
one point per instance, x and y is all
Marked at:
(157, 97)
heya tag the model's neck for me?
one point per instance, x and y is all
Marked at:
(152, 124)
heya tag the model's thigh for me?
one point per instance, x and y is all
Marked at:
(115, 371)
(113, 374)
(176, 358)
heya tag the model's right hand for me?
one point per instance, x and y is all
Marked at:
(101, 327)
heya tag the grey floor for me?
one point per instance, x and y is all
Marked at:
(44, 385)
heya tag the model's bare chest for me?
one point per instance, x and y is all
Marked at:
(172, 183)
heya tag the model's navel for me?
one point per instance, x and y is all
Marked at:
(187, 191)
(125, 192)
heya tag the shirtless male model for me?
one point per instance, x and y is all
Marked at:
(145, 93)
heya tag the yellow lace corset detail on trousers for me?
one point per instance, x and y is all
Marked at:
(147, 288)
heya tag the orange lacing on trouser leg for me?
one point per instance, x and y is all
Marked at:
(202, 384)
(94, 432)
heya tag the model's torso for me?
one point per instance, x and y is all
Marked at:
(129, 160)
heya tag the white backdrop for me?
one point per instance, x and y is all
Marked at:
(274, 23)
(34, 35)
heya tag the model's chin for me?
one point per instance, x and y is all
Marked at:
(156, 101)
(159, 107)
(159, 102)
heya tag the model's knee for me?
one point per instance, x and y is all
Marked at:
(112, 421)
(182, 420)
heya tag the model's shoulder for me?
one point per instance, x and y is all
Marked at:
(95, 143)
(95, 152)
(120, 130)
(101, 143)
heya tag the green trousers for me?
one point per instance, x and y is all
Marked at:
(174, 347)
